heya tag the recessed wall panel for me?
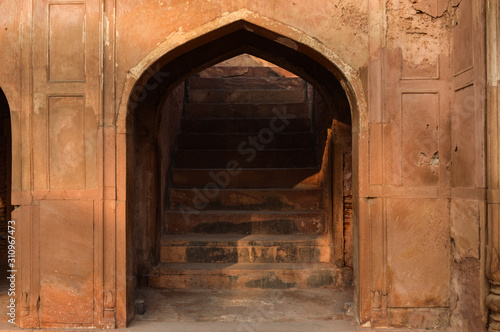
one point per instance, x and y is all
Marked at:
(463, 49)
(464, 138)
(67, 42)
(418, 252)
(66, 142)
(420, 143)
(66, 261)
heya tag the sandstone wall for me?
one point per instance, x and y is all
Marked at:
(414, 71)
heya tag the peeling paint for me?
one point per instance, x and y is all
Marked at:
(423, 33)
(432, 8)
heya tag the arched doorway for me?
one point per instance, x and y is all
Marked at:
(167, 72)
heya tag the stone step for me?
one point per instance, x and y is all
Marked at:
(247, 157)
(245, 71)
(297, 140)
(232, 177)
(296, 95)
(254, 110)
(265, 126)
(208, 248)
(199, 221)
(248, 199)
(248, 275)
(246, 83)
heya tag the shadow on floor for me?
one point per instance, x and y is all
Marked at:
(245, 306)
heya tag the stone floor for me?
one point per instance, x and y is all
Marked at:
(247, 310)
(236, 310)
(245, 306)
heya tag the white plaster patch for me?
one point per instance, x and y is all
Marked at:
(287, 42)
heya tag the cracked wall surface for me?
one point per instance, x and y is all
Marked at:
(422, 33)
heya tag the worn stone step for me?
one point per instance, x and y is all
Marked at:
(297, 140)
(265, 126)
(247, 157)
(245, 71)
(232, 177)
(246, 83)
(248, 275)
(253, 110)
(208, 248)
(248, 199)
(199, 221)
(296, 95)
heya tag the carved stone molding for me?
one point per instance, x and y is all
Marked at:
(493, 299)
(110, 309)
(493, 112)
(24, 304)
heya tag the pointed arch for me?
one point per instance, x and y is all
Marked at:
(180, 43)
(243, 31)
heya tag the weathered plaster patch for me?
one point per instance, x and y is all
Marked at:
(464, 298)
(431, 7)
(421, 36)
(434, 162)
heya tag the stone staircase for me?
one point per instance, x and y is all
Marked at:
(247, 205)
